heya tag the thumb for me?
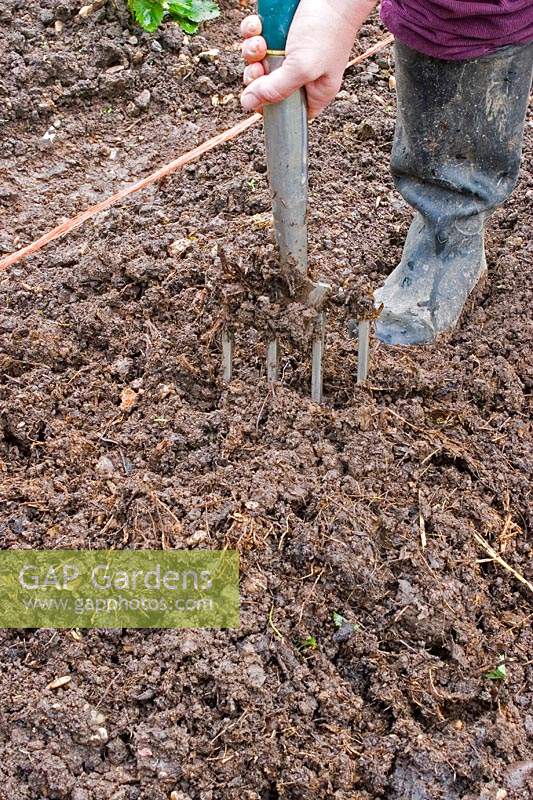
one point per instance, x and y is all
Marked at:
(272, 88)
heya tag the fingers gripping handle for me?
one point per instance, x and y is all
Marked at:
(276, 16)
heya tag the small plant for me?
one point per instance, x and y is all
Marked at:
(309, 643)
(339, 620)
(499, 673)
(187, 13)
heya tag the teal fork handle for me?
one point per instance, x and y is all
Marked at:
(277, 16)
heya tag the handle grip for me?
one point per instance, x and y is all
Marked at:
(277, 16)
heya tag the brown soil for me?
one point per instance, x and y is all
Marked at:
(327, 505)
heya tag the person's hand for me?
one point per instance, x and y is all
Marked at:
(318, 48)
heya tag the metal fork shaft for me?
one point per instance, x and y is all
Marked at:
(287, 161)
(286, 136)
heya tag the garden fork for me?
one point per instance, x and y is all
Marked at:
(286, 141)
(286, 138)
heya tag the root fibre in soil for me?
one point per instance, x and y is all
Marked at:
(364, 508)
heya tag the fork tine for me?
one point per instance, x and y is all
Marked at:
(227, 354)
(364, 347)
(273, 361)
(317, 372)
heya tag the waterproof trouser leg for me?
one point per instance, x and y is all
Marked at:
(456, 157)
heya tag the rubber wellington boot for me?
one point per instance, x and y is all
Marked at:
(456, 157)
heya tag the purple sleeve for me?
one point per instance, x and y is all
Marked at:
(457, 29)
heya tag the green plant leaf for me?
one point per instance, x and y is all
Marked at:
(180, 8)
(338, 619)
(187, 13)
(185, 24)
(193, 10)
(309, 643)
(499, 673)
(203, 10)
(148, 13)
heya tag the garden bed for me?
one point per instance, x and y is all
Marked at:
(116, 431)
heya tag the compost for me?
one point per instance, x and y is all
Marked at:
(372, 614)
